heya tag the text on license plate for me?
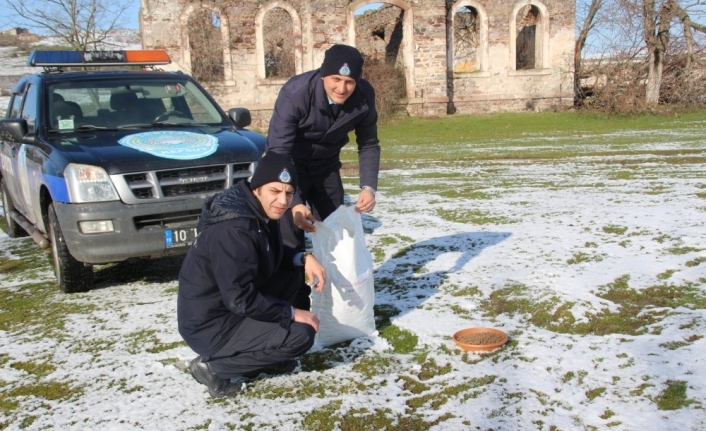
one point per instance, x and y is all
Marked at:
(179, 237)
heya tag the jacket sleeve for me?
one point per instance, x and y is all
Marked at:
(235, 266)
(366, 133)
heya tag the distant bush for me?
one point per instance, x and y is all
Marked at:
(7, 40)
(389, 83)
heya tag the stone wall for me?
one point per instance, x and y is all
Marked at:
(416, 33)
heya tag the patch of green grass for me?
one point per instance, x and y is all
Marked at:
(595, 393)
(34, 368)
(401, 340)
(696, 262)
(24, 259)
(615, 229)
(620, 175)
(678, 251)
(468, 291)
(366, 418)
(666, 274)
(636, 314)
(673, 397)
(37, 309)
(476, 217)
(580, 257)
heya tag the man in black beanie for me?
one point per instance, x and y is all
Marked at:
(242, 305)
(313, 115)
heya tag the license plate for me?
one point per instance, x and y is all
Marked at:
(179, 237)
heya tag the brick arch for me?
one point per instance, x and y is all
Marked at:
(483, 54)
(225, 36)
(407, 35)
(544, 21)
(260, 37)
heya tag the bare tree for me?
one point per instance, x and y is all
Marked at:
(82, 24)
(658, 20)
(589, 23)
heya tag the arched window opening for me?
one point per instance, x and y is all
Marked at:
(528, 46)
(379, 35)
(466, 46)
(279, 44)
(205, 45)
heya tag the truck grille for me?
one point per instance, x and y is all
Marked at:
(140, 187)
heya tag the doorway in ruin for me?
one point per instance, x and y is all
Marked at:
(383, 32)
(205, 38)
(279, 44)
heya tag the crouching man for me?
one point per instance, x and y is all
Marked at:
(241, 305)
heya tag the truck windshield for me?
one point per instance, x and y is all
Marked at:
(128, 103)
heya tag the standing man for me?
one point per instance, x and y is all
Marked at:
(313, 115)
(242, 306)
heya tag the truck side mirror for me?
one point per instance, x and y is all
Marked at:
(240, 116)
(14, 130)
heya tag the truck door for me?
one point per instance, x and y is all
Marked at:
(10, 153)
(30, 162)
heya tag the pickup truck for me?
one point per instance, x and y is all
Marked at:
(108, 165)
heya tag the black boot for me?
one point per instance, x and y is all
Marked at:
(217, 387)
(283, 367)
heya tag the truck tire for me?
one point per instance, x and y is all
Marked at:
(14, 230)
(71, 275)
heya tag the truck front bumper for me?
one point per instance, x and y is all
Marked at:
(138, 230)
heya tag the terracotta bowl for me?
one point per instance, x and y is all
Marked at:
(467, 338)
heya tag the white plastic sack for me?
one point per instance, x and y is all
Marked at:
(345, 305)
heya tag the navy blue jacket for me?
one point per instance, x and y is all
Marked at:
(303, 126)
(237, 251)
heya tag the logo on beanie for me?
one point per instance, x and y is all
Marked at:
(344, 70)
(284, 177)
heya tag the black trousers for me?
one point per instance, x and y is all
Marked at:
(254, 345)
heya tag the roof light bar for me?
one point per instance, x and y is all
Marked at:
(98, 58)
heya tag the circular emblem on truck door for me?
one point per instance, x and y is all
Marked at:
(172, 144)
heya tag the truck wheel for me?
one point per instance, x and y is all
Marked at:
(14, 230)
(71, 275)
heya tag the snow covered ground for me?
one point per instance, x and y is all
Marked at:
(498, 241)
(451, 241)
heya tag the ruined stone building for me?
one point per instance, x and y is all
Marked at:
(464, 56)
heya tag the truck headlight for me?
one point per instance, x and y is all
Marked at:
(89, 184)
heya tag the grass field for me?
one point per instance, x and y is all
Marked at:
(582, 237)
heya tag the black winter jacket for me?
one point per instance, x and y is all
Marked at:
(303, 126)
(236, 252)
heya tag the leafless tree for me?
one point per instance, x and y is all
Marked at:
(81, 24)
(589, 23)
(206, 47)
(658, 18)
(466, 39)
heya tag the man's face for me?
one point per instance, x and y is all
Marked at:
(338, 87)
(275, 198)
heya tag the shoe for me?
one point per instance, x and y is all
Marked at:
(217, 387)
(283, 367)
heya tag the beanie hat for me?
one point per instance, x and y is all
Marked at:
(342, 60)
(274, 167)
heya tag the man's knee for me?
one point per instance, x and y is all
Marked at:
(301, 338)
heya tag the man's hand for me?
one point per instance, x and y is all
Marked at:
(303, 316)
(315, 272)
(366, 201)
(303, 218)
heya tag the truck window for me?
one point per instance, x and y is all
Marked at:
(29, 110)
(16, 104)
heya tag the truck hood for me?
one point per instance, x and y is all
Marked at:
(102, 148)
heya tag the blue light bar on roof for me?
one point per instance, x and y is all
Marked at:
(98, 58)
